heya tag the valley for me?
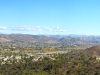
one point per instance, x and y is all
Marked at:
(49, 55)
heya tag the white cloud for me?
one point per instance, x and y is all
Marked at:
(47, 29)
(50, 29)
(3, 27)
(62, 30)
(58, 29)
(23, 28)
(38, 28)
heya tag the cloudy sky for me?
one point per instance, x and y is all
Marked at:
(50, 16)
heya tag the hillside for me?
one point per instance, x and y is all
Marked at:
(93, 51)
(26, 40)
(52, 38)
(70, 39)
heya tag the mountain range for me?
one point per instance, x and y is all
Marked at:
(49, 38)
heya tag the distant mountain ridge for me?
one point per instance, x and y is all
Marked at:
(49, 38)
(25, 38)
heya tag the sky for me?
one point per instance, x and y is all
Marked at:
(52, 17)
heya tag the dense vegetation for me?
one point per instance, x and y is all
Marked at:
(73, 63)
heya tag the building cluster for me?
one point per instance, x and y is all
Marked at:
(22, 58)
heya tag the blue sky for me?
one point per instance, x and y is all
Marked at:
(50, 17)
